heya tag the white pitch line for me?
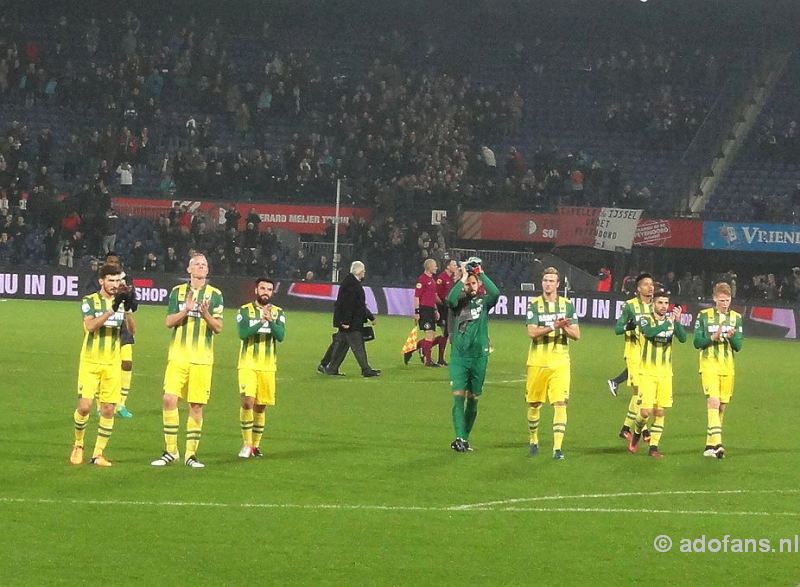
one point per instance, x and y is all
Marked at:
(636, 511)
(489, 507)
(624, 494)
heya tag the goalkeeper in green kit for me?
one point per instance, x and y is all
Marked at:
(469, 301)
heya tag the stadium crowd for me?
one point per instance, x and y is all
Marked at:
(185, 107)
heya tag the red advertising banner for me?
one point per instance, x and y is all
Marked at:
(513, 226)
(670, 233)
(575, 226)
(299, 218)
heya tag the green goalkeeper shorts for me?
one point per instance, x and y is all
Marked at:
(468, 373)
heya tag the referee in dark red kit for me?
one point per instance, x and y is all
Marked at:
(444, 283)
(425, 313)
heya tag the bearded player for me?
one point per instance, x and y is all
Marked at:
(99, 371)
(470, 300)
(262, 326)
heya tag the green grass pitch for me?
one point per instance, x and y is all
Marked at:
(359, 485)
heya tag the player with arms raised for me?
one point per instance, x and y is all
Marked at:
(718, 335)
(469, 354)
(261, 326)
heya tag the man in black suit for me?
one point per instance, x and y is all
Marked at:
(349, 315)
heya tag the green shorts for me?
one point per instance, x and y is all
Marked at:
(468, 373)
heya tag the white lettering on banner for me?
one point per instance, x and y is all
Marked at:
(303, 219)
(501, 307)
(65, 286)
(600, 308)
(618, 310)
(616, 228)
(9, 282)
(34, 285)
(581, 305)
(754, 233)
(521, 305)
(277, 218)
(342, 219)
(150, 294)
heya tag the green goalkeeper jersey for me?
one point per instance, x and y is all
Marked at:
(469, 325)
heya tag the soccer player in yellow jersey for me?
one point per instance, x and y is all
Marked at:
(552, 323)
(261, 326)
(99, 371)
(718, 335)
(127, 340)
(628, 324)
(659, 329)
(195, 317)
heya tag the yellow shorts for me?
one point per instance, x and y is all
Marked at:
(126, 352)
(258, 384)
(103, 381)
(633, 364)
(189, 381)
(655, 391)
(547, 383)
(719, 386)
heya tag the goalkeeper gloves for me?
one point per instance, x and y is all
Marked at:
(630, 325)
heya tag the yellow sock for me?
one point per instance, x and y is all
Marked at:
(194, 430)
(559, 425)
(640, 423)
(258, 427)
(246, 421)
(656, 430)
(80, 427)
(721, 417)
(104, 429)
(171, 421)
(534, 415)
(633, 408)
(714, 431)
(126, 386)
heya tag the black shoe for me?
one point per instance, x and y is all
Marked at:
(340, 374)
(443, 363)
(370, 373)
(257, 452)
(459, 445)
(321, 368)
(407, 357)
(625, 433)
(432, 364)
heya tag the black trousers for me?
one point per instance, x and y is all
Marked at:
(326, 358)
(343, 341)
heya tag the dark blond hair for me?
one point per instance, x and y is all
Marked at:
(551, 271)
(723, 288)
